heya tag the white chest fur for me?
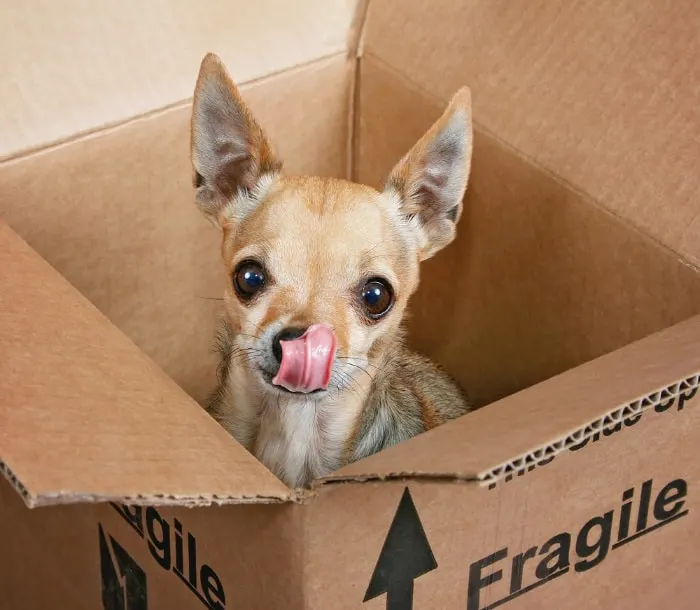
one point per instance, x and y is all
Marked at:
(300, 439)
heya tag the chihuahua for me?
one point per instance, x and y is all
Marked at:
(314, 373)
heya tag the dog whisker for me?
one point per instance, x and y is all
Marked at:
(357, 366)
(348, 383)
(367, 368)
(256, 337)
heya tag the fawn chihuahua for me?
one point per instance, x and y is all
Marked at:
(314, 373)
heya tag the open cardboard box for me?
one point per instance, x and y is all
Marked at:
(568, 305)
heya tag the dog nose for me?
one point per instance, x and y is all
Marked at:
(286, 334)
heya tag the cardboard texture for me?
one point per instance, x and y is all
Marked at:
(597, 94)
(75, 387)
(113, 230)
(535, 261)
(569, 305)
(103, 64)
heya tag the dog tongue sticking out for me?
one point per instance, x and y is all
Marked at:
(307, 362)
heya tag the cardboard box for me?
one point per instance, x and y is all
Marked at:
(568, 306)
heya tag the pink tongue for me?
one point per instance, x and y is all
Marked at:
(307, 361)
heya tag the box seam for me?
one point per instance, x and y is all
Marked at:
(355, 49)
(353, 132)
(356, 34)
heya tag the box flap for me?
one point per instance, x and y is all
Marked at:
(78, 65)
(603, 96)
(106, 203)
(86, 416)
(535, 424)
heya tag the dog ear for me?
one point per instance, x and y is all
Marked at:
(432, 177)
(230, 152)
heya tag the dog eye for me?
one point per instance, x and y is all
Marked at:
(248, 279)
(377, 298)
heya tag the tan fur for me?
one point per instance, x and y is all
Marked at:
(318, 238)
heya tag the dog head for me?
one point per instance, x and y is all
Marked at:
(319, 270)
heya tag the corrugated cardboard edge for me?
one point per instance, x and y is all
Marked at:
(687, 387)
(156, 499)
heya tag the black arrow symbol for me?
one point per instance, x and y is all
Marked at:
(405, 556)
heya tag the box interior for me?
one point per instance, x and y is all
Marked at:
(543, 276)
(113, 213)
(540, 278)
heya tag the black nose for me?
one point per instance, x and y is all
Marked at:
(286, 334)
